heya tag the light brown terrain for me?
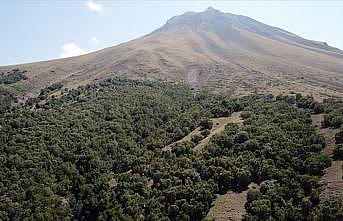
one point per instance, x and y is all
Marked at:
(210, 49)
(230, 206)
(333, 176)
(333, 179)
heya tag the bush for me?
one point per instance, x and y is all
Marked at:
(206, 124)
(12, 76)
(338, 152)
(205, 132)
(339, 137)
(241, 137)
(197, 138)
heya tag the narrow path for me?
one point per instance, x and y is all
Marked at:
(332, 175)
(188, 137)
(230, 206)
(333, 179)
(328, 133)
(218, 127)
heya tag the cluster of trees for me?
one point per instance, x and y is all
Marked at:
(305, 102)
(95, 154)
(334, 113)
(12, 76)
(59, 159)
(338, 151)
(48, 90)
(38, 102)
(6, 100)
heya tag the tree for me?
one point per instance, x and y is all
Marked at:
(206, 124)
(339, 137)
(241, 137)
(338, 152)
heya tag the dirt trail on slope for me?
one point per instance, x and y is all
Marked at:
(332, 175)
(230, 206)
(218, 127)
(188, 137)
(328, 133)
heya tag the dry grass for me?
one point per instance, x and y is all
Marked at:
(333, 179)
(201, 59)
(230, 206)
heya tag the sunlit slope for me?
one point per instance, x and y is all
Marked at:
(211, 49)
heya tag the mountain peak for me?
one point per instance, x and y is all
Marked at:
(229, 26)
(211, 9)
(202, 48)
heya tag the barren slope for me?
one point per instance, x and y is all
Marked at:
(220, 51)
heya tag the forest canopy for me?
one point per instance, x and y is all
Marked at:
(95, 153)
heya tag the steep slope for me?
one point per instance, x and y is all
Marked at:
(220, 51)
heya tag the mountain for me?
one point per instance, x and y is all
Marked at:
(211, 49)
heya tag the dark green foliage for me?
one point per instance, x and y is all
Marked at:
(328, 211)
(306, 102)
(339, 136)
(318, 108)
(57, 161)
(206, 124)
(95, 154)
(334, 116)
(333, 120)
(6, 100)
(51, 88)
(197, 138)
(338, 152)
(241, 137)
(205, 132)
(12, 76)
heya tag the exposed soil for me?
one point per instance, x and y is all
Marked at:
(334, 174)
(229, 206)
(328, 133)
(333, 179)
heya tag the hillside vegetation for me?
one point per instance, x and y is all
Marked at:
(95, 153)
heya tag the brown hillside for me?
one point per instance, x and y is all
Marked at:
(220, 51)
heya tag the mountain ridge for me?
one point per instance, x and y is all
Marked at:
(211, 49)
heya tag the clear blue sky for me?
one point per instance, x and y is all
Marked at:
(41, 30)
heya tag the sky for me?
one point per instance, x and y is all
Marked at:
(43, 30)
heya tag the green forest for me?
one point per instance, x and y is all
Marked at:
(95, 153)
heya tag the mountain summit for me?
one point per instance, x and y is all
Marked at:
(227, 26)
(212, 49)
